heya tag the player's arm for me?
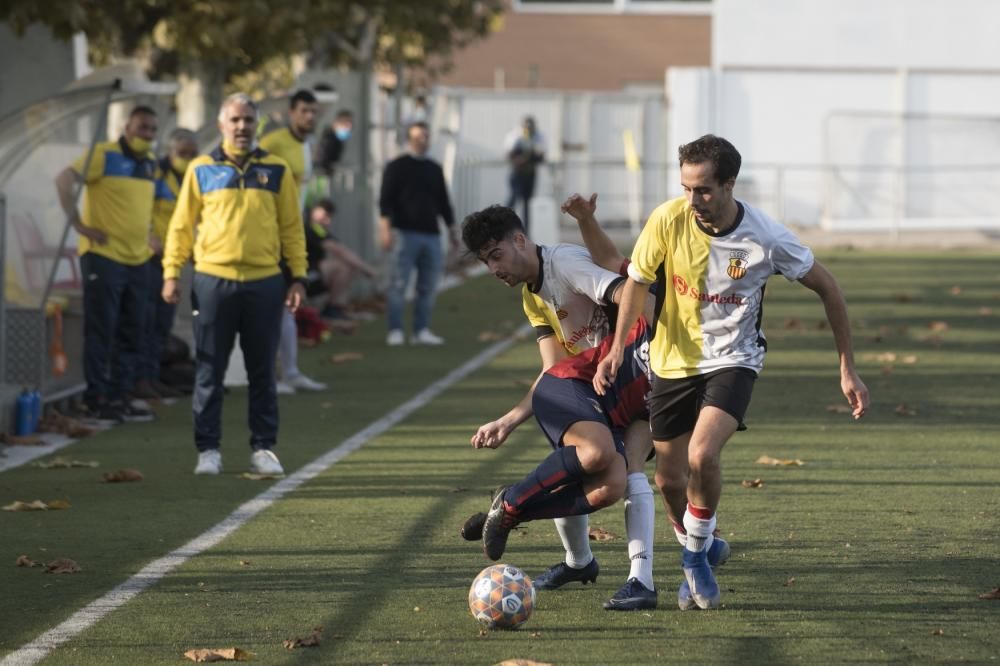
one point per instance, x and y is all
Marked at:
(66, 182)
(825, 285)
(342, 252)
(631, 305)
(495, 433)
(179, 239)
(602, 250)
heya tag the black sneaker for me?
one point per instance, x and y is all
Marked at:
(497, 526)
(472, 529)
(562, 573)
(132, 414)
(98, 414)
(633, 595)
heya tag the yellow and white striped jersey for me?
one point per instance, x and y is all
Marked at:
(712, 286)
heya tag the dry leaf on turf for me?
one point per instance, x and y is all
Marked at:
(885, 357)
(346, 357)
(755, 483)
(937, 632)
(489, 336)
(601, 534)
(839, 409)
(909, 359)
(219, 654)
(985, 311)
(793, 324)
(789, 582)
(62, 566)
(58, 505)
(903, 410)
(312, 640)
(939, 326)
(37, 505)
(992, 594)
(902, 298)
(21, 440)
(261, 477)
(123, 476)
(955, 291)
(25, 561)
(64, 463)
(768, 460)
(522, 662)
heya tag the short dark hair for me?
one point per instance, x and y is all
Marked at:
(142, 110)
(418, 124)
(710, 148)
(490, 225)
(326, 203)
(302, 96)
(345, 113)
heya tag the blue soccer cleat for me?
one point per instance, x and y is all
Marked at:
(633, 595)
(704, 590)
(718, 553)
(562, 573)
(684, 599)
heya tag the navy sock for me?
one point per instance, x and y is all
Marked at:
(569, 500)
(559, 468)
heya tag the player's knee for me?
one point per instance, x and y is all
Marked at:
(702, 457)
(596, 458)
(671, 481)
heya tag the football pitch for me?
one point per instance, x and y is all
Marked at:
(876, 549)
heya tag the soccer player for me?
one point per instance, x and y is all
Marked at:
(712, 256)
(565, 295)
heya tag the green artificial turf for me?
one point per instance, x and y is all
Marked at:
(875, 550)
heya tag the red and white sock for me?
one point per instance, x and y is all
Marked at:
(699, 522)
(680, 533)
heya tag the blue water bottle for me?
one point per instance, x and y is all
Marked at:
(23, 414)
(36, 409)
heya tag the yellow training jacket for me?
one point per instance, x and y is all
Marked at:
(247, 219)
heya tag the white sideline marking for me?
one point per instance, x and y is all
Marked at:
(92, 613)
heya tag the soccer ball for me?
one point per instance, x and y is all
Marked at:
(501, 597)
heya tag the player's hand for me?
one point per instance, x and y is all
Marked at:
(171, 292)
(155, 245)
(855, 391)
(579, 208)
(295, 296)
(491, 435)
(94, 235)
(607, 370)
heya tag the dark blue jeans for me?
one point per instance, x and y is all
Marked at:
(523, 188)
(114, 309)
(421, 251)
(159, 320)
(222, 309)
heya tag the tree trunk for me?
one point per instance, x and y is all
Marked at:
(200, 95)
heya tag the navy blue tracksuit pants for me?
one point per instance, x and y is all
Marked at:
(222, 309)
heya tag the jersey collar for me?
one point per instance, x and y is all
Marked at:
(739, 219)
(537, 286)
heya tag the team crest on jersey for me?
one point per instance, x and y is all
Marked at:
(262, 177)
(562, 314)
(737, 264)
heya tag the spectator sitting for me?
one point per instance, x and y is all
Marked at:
(332, 265)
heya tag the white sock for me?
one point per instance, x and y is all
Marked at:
(575, 534)
(682, 537)
(288, 346)
(699, 531)
(640, 516)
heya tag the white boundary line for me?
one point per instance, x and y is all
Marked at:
(33, 652)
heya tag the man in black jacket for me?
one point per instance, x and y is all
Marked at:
(413, 197)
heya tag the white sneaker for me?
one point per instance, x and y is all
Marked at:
(300, 381)
(425, 337)
(263, 461)
(395, 338)
(209, 462)
(284, 388)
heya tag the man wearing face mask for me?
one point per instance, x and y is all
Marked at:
(333, 140)
(159, 314)
(525, 148)
(114, 251)
(245, 205)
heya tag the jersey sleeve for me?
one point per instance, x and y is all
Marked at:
(789, 256)
(96, 167)
(649, 251)
(573, 266)
(179, 237)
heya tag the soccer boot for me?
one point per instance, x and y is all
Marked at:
(472, 529)
(684, 599)
(718, 553)
(700, 580)
(633, 595)
(497, 526)
(562, 574)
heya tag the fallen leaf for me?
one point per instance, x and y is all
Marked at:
(939, 326)
(21, 440)
(219, 654)
(490, 336)
(756, 483)
(25, 561)
(261, 477)
(955, 291)
(55, 422)
(62, 566)
(37, 505)
(985, 311)
(792, 324)
(312, 640)
(346, 357)
(903, 410)
(601, 534)
(58, 505)
(789, 582)
(902, 298)
(768, 460)
(909, 359)
(64, 463)
(885, 357)
(522, 662)
(992, 594)
(839, 409)
(123, 476)
(937, 632)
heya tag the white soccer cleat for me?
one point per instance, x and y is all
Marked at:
(284, 388)
(304, 383)
(209, 462)
(263, 461)
(395, 338)
(425, 337)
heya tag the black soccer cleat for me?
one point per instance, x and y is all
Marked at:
(497, 526)
(472, 529)
(633, 595)
(562, 574)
